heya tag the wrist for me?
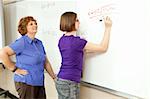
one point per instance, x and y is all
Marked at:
(14, 69)
(108, 29)
(54, 77)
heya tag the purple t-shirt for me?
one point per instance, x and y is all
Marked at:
(71, 49)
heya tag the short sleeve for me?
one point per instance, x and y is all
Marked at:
(17, 46)
(81, 43)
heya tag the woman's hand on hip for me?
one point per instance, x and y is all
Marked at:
(21, 72)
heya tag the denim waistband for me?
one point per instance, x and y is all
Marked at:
(66, 80)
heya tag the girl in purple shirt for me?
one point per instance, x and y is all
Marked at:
(72, 49)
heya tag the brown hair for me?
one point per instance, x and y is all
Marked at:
(67, 21)
(22, 27)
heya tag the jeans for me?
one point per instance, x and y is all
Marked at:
(67, 89)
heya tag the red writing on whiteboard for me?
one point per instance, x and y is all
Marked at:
(101, 11)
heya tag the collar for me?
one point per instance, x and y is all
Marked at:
(30, 40)
(70, 34)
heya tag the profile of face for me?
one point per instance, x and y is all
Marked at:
(77, 23)
(31, 27)
(27, 25)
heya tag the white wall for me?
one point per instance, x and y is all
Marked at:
(2, 39)
(47, 14)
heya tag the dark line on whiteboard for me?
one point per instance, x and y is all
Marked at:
(108, 90)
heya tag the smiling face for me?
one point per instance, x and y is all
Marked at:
(31, 27)
(27, 25)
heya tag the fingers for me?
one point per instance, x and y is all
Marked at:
(24, 72)
(21, 72)
(108, 21)
(107, 18)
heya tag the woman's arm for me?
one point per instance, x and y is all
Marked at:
(5, 54)
(103, 46)
(49, 69)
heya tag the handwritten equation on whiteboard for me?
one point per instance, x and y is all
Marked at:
(46, 5)
(101, 11)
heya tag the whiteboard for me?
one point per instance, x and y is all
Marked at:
(125, 67)
(1, 26)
